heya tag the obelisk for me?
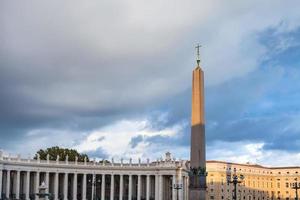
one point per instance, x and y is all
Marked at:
(197, 185)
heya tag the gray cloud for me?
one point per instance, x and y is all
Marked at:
(72, 67)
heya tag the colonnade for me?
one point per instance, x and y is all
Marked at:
(21, 178)
(81, 185)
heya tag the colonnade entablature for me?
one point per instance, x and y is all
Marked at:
(93, 165)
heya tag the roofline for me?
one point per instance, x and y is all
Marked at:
(253, 165)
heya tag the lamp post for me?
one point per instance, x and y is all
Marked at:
(94, 182)
(178, 181)
(295, 186)
(235, 179)
(177, 187)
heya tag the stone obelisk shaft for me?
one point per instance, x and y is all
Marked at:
(197, 182)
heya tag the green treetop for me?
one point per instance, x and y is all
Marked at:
(62, 153)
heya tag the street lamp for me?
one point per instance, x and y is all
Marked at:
(177, 187)
(295, 186)
(235, 179)
(178, 181)
(94, 186)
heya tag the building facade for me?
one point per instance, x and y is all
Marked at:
(259, 182)
(21, 178)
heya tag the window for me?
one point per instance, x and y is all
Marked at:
(286, 184)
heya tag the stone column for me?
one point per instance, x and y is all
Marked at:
(183, 188)
(27, 185)
(75, 187)
(121, 187)
(160, 185)
(56, 185)
(1, 177)
(84, 187)
(7, 183)
(47, 182)
(148, 187)
(37, 181)
(103, 187)
(139, 188)
(187, 187)
(18, 185)
(112, 186)
(66, 186)
(93, 181)
(180, 181)
(156, 186)
(130, 187)
(174, 193)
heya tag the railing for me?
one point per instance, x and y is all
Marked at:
(160, 163)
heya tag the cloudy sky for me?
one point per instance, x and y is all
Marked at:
(113, 78)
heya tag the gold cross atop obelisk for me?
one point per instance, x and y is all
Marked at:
(198, 54)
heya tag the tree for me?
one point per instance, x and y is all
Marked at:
(62, 153)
